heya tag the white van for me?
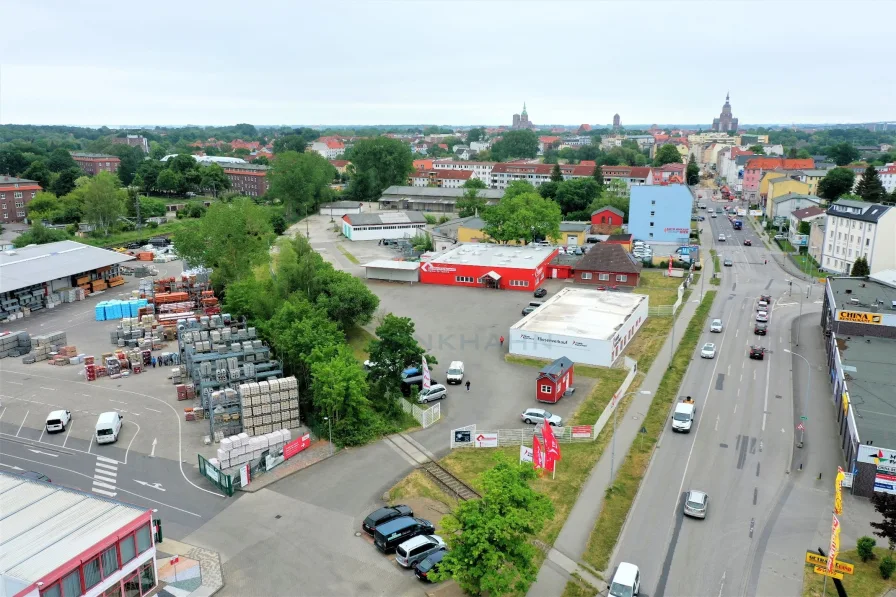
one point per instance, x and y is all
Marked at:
(626, 581)
(455, 372)
(108, 426)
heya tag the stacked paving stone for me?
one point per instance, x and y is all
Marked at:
(14, 344)
(43, 346)
(242, 449)
(270, 405)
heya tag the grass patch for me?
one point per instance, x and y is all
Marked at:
(808, 266)
(123, 238)
(358, 340)
(348, 255)
(717, 266)
(648, 341)
(579, 588)
(420, 484)
(621, 495)
(592, 407)
(866, 582)
(583, 370)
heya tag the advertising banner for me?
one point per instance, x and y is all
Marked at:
(885, 461)
(835, 543)
(537, 454)
(581, 431)
(526, 454)
(296, 446)
(427, 378)
(838, 491)
(486, 440)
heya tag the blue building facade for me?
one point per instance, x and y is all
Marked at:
(660, 213)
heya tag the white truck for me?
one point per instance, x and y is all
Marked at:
(683, 418)
(455, 372)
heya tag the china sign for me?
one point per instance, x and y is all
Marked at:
(860, 317)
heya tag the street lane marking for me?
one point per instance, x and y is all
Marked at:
(153, 485)
(717, 422)
(126, 452)
(67, 432)
(99, 477)
(118, 401)
(110, 494)
(109, 460)
(14, 383)
(48, 389)
(106, 466)
(152, 409)
(23, 423)
(152, 454)
(44, 453)
(103, 485)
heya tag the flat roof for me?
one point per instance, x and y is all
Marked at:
(389, 264)
(492, 255)
(386, 218)
(583, 313)
(43, 525)
(400, 192)
(871, 387)
(865, 291)
(20, 268)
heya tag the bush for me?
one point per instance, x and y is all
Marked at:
(865, 547)
(887, 567)
(278, 223)
(152, 225)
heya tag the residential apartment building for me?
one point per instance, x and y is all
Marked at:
(805, 215)
(664, 174)
(728, 168)
(856, 229)
(248, 179)
(888, 176)
(783, 205)
(15, 194)
(329, 148)
(812, 177)
(536, 174)
(757, 167)
(577, 141)
(660, 213)
(446, 179)
(133, 141)
(94, 163)
(481, 170)
(785, 185)
(816, 238)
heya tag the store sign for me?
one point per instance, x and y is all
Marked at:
(463, 436)
(885, 462)
(526, 454)
(436, 269)
(556, 341)
(486, 440)
(581, 431)
(860, 317)
(678, 230)
(296, 446)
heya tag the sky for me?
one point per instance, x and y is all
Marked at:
(461, 62)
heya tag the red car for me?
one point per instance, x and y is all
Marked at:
(748, 243)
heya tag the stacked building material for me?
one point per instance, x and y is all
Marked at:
(47, 346)
(270, 405)
(14, 344)
(115, 309)
(240, 449)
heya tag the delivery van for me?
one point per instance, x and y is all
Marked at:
(108, 426)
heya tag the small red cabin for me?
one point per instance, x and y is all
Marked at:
(554, 380)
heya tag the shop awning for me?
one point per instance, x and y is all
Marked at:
(493, 275)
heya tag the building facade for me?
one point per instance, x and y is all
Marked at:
(383, 226)
(431, 199)
(888, 176)
(329, 148)
(660, 213)
(15, 194)
(489, 265)
(537, 174)
(856, 229)
(481, 170)
(446, 179)
(133, 141)
(248, 179)
(521, 120)
(608, 265)
(94, 163)
(782, 206)
(726, 121)
(756, 168)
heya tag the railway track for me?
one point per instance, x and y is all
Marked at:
(442, 477)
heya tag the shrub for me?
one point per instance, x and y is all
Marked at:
(887, 567)
(152, 225)
(865, 547)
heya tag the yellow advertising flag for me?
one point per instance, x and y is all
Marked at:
(838, 491)
(835, 544)
(845, 402)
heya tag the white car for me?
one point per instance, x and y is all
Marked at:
(716, 326)
(708, 351)
(435, 392)
(455, 372)
(714, 216)
(762, 306)
(58, 420)
(762, 316)
(696, 503)
(535, 416)
(721, 238)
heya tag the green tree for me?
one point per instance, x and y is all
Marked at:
(149, 171)
(395, 349)
(842, 153)
(515, 144)
(549, 189)
(422, 242)
(470, 204)
(261, 160)
(598, 176)
(835, 183)
(44, 206)
(475, 134)
(39, 234)
(39, 172)
(104, 201)
(618, 188)
(518, 187)
(865, 547)
(300, 181)
(885, 505)
(527, 217)
(213, 177)
(340, 393)
(490, 539)
(887, 567)
(286, 143)
(230, 239)
(12, 162)
(346, 298)
(860, 268)
(474, 183)
(870, 188)
(168, 181)
(182, 163)
(60, 159)
(692, 172)
(378, 163)
(757, 149)
(130, 160)
(805, 227)
(65, 181)
(556, 174)
(151, 208)
(803, 154)
(576, 194)
(667, 154)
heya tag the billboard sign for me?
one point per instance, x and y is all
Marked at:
(860, 317)
(486, 440)
(526, 454)
(296, 446)
(885, 462)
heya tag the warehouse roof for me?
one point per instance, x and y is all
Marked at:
(582, 312)
(389, 264)
(861, 294)
(388, 218)
(438, 192)
(492, 255)
(43, 526)
(20, 268)
(871, 387)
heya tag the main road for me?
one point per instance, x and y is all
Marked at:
(739, 451)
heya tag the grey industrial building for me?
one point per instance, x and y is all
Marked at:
(431, 199)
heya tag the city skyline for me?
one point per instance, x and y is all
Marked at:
(352, 63)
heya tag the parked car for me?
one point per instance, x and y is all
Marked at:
(762, 316)
(765, 297)
(708, 351)
(58, 420)
(434, 392)
(762, 306)
(535, 416)
(417, 549)
(757, 352)
(780, 237)
(760, 329)
(390, 535)
(722, 238)
(716, 326)
(528, 309)
(748, 242)
(455, 372)
(430, 564)
(696, 503)
(384, 515)
(541, 292)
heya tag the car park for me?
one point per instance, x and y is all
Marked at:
(626, 581)
(708, 351)
(757, 352)
(432, 393)
(541, 292)
(390, 535)
(721, 238)
(429, 565)
(760, 329)
(535, 416)
(58, 420)
(417, 549)
(748, 242)
(728, 262)
(384, 515)
(696, 504)
(716, 326)
(762, 316)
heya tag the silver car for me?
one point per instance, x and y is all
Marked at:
(696, 503)
(435, 392)
(534, 416)
(716, 326)
(708, 351)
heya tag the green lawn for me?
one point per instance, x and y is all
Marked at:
(865, 582)
(359, 339)
(123, 238)
(809, 266)
(662, 290)
(717, 264)
(583, 370)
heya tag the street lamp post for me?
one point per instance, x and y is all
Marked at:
(615, 417)
(330, 426)
(808, 289)
(808, 386)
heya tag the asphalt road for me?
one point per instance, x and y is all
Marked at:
(739, 451)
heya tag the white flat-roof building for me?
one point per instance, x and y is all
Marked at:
(393, 271)
(584, 325)
(385, 225)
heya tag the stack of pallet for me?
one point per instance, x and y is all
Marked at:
(45, 345)
(14, 344)
(241, 449)
(270, 405)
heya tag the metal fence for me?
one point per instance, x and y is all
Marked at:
(221, 480)
(425, 417)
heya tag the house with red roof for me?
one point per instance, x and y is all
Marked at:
(756, 167)
(606, 219)
(536, 174)
(15, 194)
(329, 147)
(547, 142)
(340, 165)
(446, 179)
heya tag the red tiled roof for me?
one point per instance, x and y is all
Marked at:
(783, 163)
(659, 137)
(548, 140)
(339, 163)
(591, 163)
(585, 127)
(807, 212)
(736, 151)
(677, 167)
(453, 174)
(675, 179)
(465, 162)
(335, 145)
(639, 172)
(443, 145)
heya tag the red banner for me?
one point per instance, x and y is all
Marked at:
(537, 454)
(296, 446)
(551, 447)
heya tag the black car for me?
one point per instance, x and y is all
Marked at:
(767, 298)
(528, 310)
(35, 476)
(757, 352)
(540, 293)
(748, 243)
(384, 515)
(430, 564)
(760, 329)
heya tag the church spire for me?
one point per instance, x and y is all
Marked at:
(727, 96)
(524, 108)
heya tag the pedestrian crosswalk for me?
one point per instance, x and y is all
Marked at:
(104, 476)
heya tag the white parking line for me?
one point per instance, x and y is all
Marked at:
(48, 389)
(23, 423)
(152, 409)
(67, 432)
(14, 382)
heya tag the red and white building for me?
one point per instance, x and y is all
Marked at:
(553, 380)
(584, 325)
(485, 265)
(15, 194)
(329, 147)
(94, 163)
(249, 179)
(536, 174)
(57, 542)
(446, 179)
(480, 170)
(758, 166)
(888, 176)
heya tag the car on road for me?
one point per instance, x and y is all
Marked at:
(528, 309)
(780, 237)
(58, 420)
(760, 329)
(683, 417)
(434, 392)
(384, 515)
(541, 292)
(748, 242)
(696, 503)
(431, 564)
(455, 372)
(762, 316)
(708, 351)
(728, 262)
(108, 426)
(417, 549)
(757, 352)
(765, 297)
(535, 416)
(716, 326)
(714, 216)
(721, 238)
(626, 582)
(35, 476)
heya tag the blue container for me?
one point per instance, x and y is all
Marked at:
(100, 311)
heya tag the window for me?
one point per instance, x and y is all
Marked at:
(17, 195)
(53, 591)
(586, 275)
(650, 235)
(651, 224)
(33, 193)
(603, 277)
(132, 587)
(126, 546)
(110, 561)
(867, 241)
(653, 202)
(521, 283)
(71, 584)
(20, 204)
(545, 389)
(92, 575)
(147, 577)
(621, 278)
(653, 213)
(115, 591)
(467, 279)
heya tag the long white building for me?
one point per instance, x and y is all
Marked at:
(383, 226)
(856, 229)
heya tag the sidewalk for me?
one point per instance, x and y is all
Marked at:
(561, 561)
(197, 572)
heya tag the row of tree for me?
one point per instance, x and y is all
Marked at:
(841, 183)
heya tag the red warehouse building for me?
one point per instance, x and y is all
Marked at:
(553, 381)
(15, 194)
(485, 265)
(607, 215)
(94, 163)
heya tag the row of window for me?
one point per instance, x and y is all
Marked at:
(18, 204)
(519, 283)
(19, 214)
(111, 560)
(842, 236)
(17, 194)
(605, 277)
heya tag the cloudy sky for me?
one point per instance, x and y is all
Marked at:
(92, 62)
